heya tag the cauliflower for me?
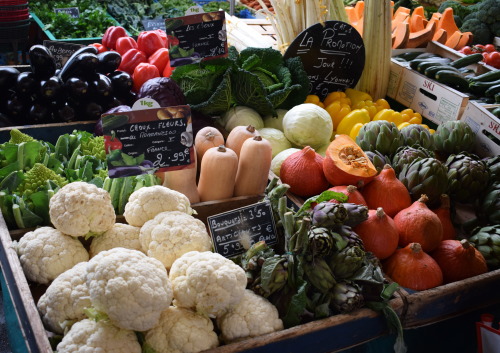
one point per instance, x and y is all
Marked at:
(171, 234)
(80, 208)
(252, 317)
(130, 287)
(64, 300)
(45, 253)
(89, 336)
(207, 282)
(181, 331)
(144, 204)
(121, 235)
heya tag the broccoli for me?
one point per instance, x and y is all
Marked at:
(458, 9)
(481, 31)
(488, 11)
(94, 146)
(495, 29)
(17, 137)
(37, 177)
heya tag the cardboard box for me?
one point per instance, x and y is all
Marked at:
(486, 126)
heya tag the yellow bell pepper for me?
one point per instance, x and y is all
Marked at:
(356, 96)
(333, 96)
(355, 130)
(368, 105)
(402, 125)
(382, 104)
(389, 115)
(412, 117)
(432, 131)
(355, 116)
(312, 98)
(337, 112)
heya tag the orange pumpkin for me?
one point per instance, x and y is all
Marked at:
(444, 214)
(352, 193)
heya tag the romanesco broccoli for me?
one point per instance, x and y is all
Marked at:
(94, 146)
(38, 176)
(17, 137)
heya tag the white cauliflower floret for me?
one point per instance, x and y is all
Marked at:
(130, 287)
(80, 208)
(181, 330)
(144, 204)
(207, 282)
(89, 336)
(171, 234)
(45, 253)
(252, 317)
(121, 235)
(63, 302)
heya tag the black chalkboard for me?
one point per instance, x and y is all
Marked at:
(333, 56)
(61, 51)
(157, 23)
(71, 11)
(255, 221)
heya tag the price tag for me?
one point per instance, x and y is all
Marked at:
(61, 51)
(249, 224)
(148, 141)
(333, 56)
(73, 12)
(196, 37)
(157, 23)
(193, 10)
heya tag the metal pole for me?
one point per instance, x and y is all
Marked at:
(231, 7)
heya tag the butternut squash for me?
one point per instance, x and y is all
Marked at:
(206, 138)
(440, 36)
(401, 10)
(253, 167)
(453, 40)
(416, 23)
(466, 39)
(217, 174)
(419, 11)
(184, 181)
(238, 135)
(399, 18)
(447, 22)
(400, 36)
(421, 38)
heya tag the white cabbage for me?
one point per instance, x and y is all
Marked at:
(277, 139)
(308, 125)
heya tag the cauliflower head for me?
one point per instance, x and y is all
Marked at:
(252, 317)
(63, 302)
(144, 204)
(207, 282)
(121, 235)
(89, 336)
(171, 234)
(46, 252)
(80, 208)
(130, 287)
(181, 330)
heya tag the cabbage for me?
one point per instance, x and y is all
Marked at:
(277, 139)
(322, 149)
(277, 123)
(241, 115)
(308, 125)
(280, 158)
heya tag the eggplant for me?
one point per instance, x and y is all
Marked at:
(101, 87)
(17, 107)
(65, 113)
(42, 63)
(75, 87)
(5, 121)
(27, 83)
(39, 114)
(8, 77)
(93, 111)
(83, 66)
(125, 171)
(108, 62)
(122, 82)
(51, 88)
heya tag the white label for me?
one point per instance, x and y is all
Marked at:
(194, 10)
(145, 103)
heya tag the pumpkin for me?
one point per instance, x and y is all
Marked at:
(352, 193)
(379, 233)
(345, 163)
(253, 167)
(238, 135)
(386, 191)
(413, 268)
(444, 214)
(206, 138)
(184, 181)
(217, 174)
(303, 171)
(458, 260)
(418, 224)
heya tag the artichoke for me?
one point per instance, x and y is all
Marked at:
(494, 164)
(355, 214)
(425, 176)
(321, 241)
(468, 177)
(487, 241)
(415, 134)
(346, 297)
(489, 205)
(350, 236)
(406, 154)
(328, 214)
(319, 275)
(378, 159)
(380, 135)
(453, 137)
(345, 263)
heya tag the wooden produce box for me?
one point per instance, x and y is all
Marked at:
(486, 126)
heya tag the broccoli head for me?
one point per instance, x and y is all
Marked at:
(37, 177)
(495, 29)
(17, 137)
(488, 11)
(480, 30)
(94, 146)
(458, 9)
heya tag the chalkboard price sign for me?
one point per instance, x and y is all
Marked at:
(333, 56)
(254, 222)
(73, 12)
(148, 141)
(157, 23)
(61, 51)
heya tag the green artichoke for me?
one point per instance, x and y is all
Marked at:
(355, 214)
(319, 275)
(417, 135)
(321, 241)
(273, 276)
(453, 137)
(378, 159)
(494, 164)
(346, 262)
(468, 177)
(487, 241)
(406, 154)
(489, 205)
(328, 214)
(346, 297)
(380, 135)
(425, 176)
(350, 236)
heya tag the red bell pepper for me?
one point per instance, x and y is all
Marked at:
(100, 48)
(124, 44)
(112, 143)
(149, 42)
(142, 73)
(111, 36)
(160, 59)
(131, 59)
(172, 40)
(163, 36)
(167, 71)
